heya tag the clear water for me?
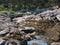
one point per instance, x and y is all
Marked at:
(39, 41)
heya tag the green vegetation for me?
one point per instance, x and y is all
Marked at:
(8, 6)
(16, 5)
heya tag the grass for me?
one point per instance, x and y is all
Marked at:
(8, 12)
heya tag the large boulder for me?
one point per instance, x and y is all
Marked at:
(58, 17)
(55, 43)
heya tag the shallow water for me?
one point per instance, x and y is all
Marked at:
(39, 41)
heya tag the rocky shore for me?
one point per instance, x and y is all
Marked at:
(24, 29)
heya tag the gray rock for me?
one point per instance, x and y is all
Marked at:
(12, 40)
(5, 25)
(58, 17)
(1, 41)
(55, 43)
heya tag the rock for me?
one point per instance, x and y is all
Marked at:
(55, 43)
(55, 7)
(30, 34)
(28, 31)
(19, 15)
(12, 16)
(38, 22)
(26, 28)
(1, 41)
(12, 40)
(6, 26)
(34, 44)
(28, 13)
(53, 33)
(29, 25)
(40, 37)
(38, 10)
(58, 17)
(23, 10)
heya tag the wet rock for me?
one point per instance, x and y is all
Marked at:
(24, 42)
